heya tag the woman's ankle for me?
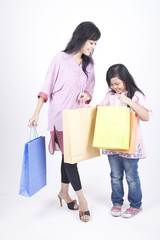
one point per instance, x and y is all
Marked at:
(65, 196)
(83, 205)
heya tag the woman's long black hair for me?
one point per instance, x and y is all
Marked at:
(120, 71)
(83, 32)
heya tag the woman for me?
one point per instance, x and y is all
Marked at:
(69, 84)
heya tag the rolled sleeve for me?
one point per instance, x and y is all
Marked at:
(89, 97)
(43, 95)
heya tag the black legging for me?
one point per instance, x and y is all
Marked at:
(69, 172)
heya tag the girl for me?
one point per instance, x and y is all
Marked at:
(69, 84)
(124, 92)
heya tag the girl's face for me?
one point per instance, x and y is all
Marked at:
(117, 85)
(88, 47)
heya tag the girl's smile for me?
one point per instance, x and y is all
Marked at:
(117, 85)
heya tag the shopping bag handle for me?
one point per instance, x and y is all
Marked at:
(33, 133)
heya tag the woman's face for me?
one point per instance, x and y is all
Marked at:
(88, 47)
(117, 85)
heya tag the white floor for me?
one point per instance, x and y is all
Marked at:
(41, 218)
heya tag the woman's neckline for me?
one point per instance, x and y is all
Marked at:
(78, 64)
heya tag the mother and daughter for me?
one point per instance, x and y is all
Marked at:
(69, 84)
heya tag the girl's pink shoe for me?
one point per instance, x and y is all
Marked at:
(116, 211)
(130, 212)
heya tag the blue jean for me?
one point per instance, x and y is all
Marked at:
(119, 165)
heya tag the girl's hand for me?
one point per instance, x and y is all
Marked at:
(83, 97)
(124, 99)
(33, 121)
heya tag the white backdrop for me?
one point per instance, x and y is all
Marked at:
(32, 32)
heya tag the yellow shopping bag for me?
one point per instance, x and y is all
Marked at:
(133, 135)
(78, 131)
(112, 129)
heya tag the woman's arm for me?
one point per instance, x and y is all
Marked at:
(33, 121)
(141, 112)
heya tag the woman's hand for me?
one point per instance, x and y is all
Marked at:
(83, 97)
(33, 121)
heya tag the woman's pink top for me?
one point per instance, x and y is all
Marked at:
(65, 80)
(111, 99)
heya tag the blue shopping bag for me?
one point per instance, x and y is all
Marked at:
(33, 175)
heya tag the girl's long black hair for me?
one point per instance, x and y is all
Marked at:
(83, 32)
(120, 71)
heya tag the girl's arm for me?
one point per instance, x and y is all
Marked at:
(141, 112)
(33, 121)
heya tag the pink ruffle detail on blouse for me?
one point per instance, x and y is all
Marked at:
(53, 146)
